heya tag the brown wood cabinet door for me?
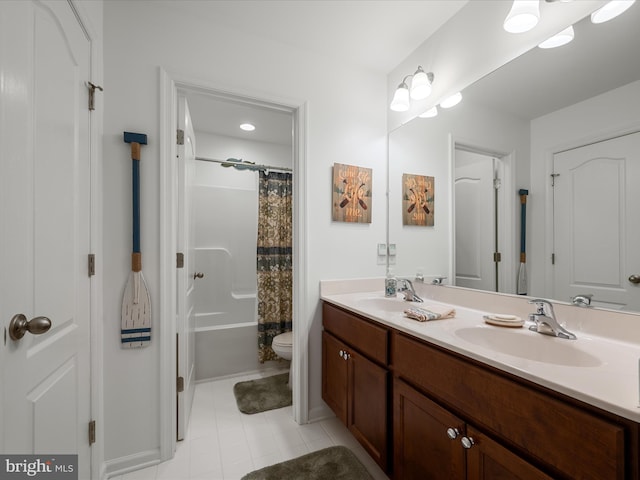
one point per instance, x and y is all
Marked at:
(335, 378)
(367, 412)
(487, 460)
(422, 448)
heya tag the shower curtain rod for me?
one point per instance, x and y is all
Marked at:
(241, 165)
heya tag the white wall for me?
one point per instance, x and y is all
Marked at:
(343, 125)
(601, 117)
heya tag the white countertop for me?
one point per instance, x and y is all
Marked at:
(600, 371)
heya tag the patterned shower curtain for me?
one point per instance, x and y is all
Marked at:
(274, 260)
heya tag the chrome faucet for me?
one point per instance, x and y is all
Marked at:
(582, 299)
(410, 295)
(546, 323)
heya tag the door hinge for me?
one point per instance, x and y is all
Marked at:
(553, 179)
(179, 260)
(497, 257)
(92, 94)
(553, 259)
(92, 265)
(180, 384)
(92, 432)
(180, 137)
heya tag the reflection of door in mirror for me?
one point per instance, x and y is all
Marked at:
(596, 211)
(479, 209)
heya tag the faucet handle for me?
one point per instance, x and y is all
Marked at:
(540, 303)
(438, 280)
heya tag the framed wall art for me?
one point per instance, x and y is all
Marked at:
(417, 200)
(351, 193)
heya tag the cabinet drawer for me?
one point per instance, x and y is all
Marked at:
(559, 435)
(370, 339)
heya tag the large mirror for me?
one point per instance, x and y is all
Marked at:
(559, 124)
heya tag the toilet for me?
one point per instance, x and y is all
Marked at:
(283, 346)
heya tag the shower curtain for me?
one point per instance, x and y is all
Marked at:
(274, 260)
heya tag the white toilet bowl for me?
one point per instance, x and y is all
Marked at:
(283, 346)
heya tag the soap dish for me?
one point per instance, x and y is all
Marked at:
(502, 320)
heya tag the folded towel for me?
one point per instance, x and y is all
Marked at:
(430, 312)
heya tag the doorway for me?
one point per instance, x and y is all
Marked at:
(482, 219)
(171, 86)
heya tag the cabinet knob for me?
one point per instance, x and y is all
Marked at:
(344, 354)
(453, 433)
(467, 442)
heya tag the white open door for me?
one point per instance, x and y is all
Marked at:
(186, 280)
(45, 231)
(596, 226)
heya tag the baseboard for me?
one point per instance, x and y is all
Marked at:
(320, 413)
(137, 461)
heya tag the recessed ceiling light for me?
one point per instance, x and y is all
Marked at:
(248, 127)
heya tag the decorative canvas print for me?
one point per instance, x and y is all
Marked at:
(417, 200)
(351, 193)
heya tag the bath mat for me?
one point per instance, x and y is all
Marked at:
(333, 463)
(263, 394)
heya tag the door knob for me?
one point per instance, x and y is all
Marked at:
(19, 325)
(198, 275)
(635, 278)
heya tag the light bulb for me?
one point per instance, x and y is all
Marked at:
(610, 10)
(432, 112)
(452, 101)
(523, 16)
(420, 85)
(559, 39)
(400, 102)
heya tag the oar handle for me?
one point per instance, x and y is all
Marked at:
(523, 224)
(136, 256)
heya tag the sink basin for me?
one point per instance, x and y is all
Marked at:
(391, 304)
(529, 345)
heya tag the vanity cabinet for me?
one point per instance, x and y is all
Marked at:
(518, 429)
(431, 442)
(355, 378)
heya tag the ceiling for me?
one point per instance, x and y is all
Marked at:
(372, 34)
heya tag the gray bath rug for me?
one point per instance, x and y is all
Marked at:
(333, 463)
(263, 394)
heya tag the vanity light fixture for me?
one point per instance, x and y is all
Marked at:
(432, 112)
(247, 127)
(611, 10)
(451, 101)
(420, 89)
(523, 16)
(559, 39)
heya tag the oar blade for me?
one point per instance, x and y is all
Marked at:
(136, 313)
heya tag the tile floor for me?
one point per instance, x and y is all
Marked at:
(224, 444)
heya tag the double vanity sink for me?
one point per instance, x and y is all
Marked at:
(461, 398)
(595, 369)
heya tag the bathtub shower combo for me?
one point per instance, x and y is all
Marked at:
(227, 304)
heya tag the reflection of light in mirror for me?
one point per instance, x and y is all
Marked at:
(559, 39)
(432, 112)
(452, 101)
(523, 16)
(248, 127)
(611, 10)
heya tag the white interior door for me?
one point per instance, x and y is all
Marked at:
(45, 227)
(186, 276)
(596, 227)
(475, 220)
